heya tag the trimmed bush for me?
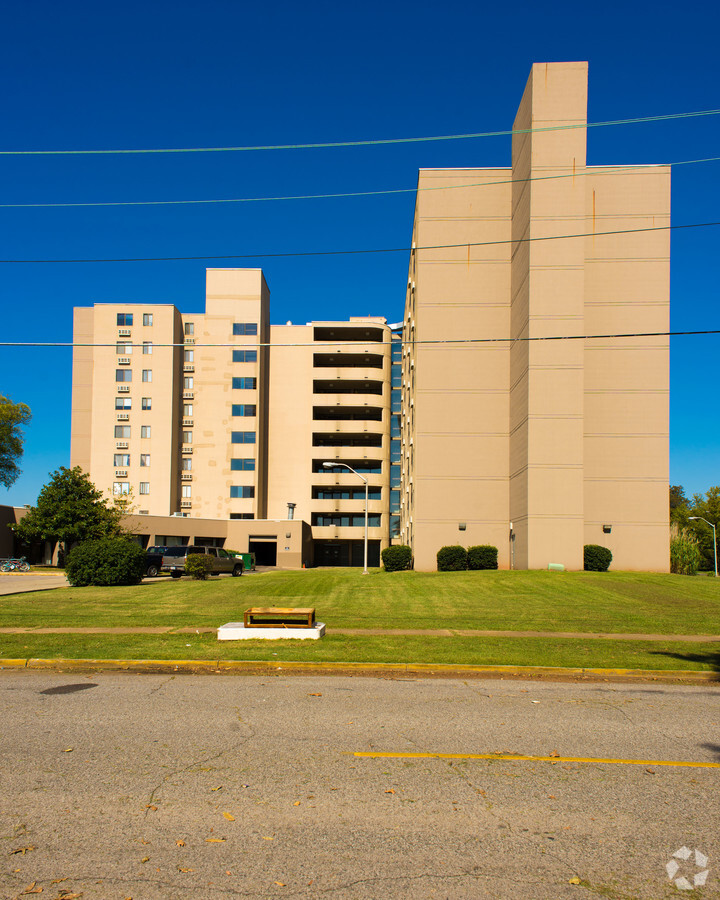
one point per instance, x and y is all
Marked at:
(199, 565)
(106, 562)
(597, 558)
(452, 559)
(397, 558)
(482, 556)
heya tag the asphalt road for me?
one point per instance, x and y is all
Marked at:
(145, 787)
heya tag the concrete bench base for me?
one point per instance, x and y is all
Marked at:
(236, 631)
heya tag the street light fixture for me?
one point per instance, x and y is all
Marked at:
(333, 465)
(714, 537)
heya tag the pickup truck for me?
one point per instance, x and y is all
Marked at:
(154, 560)
(174, 560)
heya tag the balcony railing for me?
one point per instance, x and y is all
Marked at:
(124, 361)
(121, 473)
(123, 389)
(186, 504)
(188, 395)
(186, 476)
(124, 332)
(123, 417)
(122, 445)
(187, 421)
(188, 367)
(185, 449)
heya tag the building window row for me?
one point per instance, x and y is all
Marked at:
(123, 403)
(124, 320)
(244, 409)
(245, 328)
(322, 493)
(242, 465)
(244, 356)
(189, 328)
(243, 437)
(122, 375)
(121, 460)
(246, 491)
(345, 521)
(122, 432)
(244, 383)
(144, 486)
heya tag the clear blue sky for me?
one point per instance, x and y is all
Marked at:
(219, 72)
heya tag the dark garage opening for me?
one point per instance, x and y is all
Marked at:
(265, 552)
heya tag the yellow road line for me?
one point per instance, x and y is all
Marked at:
(513, 757)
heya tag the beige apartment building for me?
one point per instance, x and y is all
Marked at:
(503, 410)
(220, 417)
(539, 446)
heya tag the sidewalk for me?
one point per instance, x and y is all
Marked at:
(395, 632)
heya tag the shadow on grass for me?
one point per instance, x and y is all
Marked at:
(709, 657)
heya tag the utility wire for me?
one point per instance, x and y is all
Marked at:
(378, 344)
(308, 253)
(366, 143)
(612, 170)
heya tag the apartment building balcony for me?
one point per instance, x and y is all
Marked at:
(345, 412)
(123, 417)
(124, 332)
(185, 448)
(187, 421)
(188, 395)
(348, 437)
(189, 340)
(121, 445)
(186, 504)
(347, 533)
(188, 367)
(333, 360)
(350, 507)
(339, 387)
(186, 476)
(123, 389)
(121, 473)
(355, 333)
(124, 361)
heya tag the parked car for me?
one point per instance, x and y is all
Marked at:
(173, 560)
(154, 559)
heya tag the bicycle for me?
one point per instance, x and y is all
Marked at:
(12, 565)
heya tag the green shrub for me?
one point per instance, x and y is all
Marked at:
(482, 556)
(199, 565)
(597, 558)
(684, 552)
(397, 558)
(452, 559)
(106, 562)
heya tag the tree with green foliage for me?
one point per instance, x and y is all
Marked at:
(678, 504)
(12, 417)
(708, 507)
(107, 562)
(69, 510)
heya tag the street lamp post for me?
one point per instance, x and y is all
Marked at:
(332, 465)
(714, 537)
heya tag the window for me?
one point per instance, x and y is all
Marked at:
(245, 328)
(121, 487)
(244, 383)
(187, 409)
(186, 491)
(147, 375)
(187, 437)
(189, 328)
(144, 431)
(354, 521)
(124, 319)
(147, 318)
(123, 349)
(121, 459)
(189, 356)
(123, 403)
(374, 493)
(188, 382)
(146, 403)
(242, 515)
(244, 356)
(243, 437)
(186, 464)
(242, 465)
(122, 431)
(244, 409)
(147, 347)
(144, 459)
(144, 486)
(243, 490)
(123, 374)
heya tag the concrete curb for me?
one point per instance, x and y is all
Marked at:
(375, 670)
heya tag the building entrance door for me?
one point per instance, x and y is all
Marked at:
(265, 552)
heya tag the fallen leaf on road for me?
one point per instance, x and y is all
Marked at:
(150, 806)
(574, 880)
(281, 883)
(145, 859)
(220, 788)
(314, 695)
(390, 791)
(553, 753)
(268, 838)
(650, 771)
(68, 895)
(58, 881)
(180, 843)
(229, 817)
(31, 889)
(22, 850)
(214, 840)
(69, 750)
(185, 869)
(296, 803)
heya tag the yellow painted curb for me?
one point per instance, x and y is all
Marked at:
(517, 757)
(427, 670)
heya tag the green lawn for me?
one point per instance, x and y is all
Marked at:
(344, 598)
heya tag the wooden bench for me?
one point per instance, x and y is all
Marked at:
(279, 617)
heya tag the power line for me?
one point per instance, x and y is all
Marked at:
(612, 170)
(365, 143)
(379, 344)
(309, 253)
